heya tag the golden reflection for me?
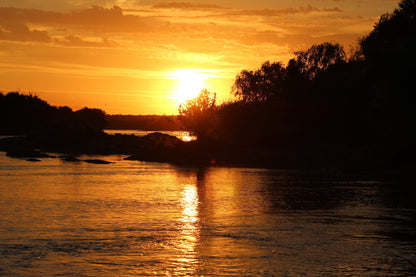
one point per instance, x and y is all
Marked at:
(189, 225)
(189, 202)
(187, 137)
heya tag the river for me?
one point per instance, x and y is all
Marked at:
(133, 218)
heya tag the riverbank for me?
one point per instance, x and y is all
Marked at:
(159, 147)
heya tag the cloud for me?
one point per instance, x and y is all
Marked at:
(186, 6)
(16, 31)
(105, 20)
(14, 26)
(286, 11)
(95, 18)
(71, 40)
(211, 32)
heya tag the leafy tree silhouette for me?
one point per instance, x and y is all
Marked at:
(198, 115)
(390, 56)
(30, 115)
(273, 79)
(260, 85)
(393, 37)
(91, 118)
(318, 58)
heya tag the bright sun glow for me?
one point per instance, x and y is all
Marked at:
(191, 82)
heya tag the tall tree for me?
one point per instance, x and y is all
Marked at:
(198, 114)
(393, 37)
(318, 58)
(390, 55)
(260, 85)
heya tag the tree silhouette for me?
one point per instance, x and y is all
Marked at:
(30, 115)
(198, 114)
(273, 79)
(393, 37)
(22, 113)
(390, 55)
(318, 58)
(91, 118)
(260, 85)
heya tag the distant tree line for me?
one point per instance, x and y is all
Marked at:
(30, 115)
(144, 122)
(322, 97)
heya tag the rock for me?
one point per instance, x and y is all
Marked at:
(33, 160)
(131, 158)
(70, 159)
(158, 139)
(96, 161)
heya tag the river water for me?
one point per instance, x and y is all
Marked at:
(134, 218)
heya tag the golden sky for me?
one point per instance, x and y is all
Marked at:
(145, 57)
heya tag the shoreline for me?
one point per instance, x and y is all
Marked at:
(163, 148)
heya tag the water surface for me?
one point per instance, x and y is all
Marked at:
(134, 218)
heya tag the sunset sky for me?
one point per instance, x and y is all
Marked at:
(146, 57)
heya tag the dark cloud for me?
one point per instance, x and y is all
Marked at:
(186, 6)
(95, 18)
(287, 11)
(76, 41)
(14, 24)
(16, 31)
(299, 41)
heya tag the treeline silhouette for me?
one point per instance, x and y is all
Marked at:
(144, 122)
(322, 102)
(29, 115)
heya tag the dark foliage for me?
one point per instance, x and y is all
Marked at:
(260, 85)
(144, 122)
(390, 53)
(273, 80)
(317, 97)
(21, 113)
(198, 115)
(318, 58)
(91, 118)
(29, 115)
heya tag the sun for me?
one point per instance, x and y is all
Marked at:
(190, 83)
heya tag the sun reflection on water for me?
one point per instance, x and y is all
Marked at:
(189, 220)
(187, 137)
(189, 203)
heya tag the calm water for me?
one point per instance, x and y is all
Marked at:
(149, 219)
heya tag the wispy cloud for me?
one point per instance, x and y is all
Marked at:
(187, 6)
(287, 11)
(16, 31)
(71, 40)
(95, 18)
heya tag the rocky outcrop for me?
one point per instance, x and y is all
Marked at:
(156, 147)
(97, 161)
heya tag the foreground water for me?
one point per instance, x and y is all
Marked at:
(150, 219)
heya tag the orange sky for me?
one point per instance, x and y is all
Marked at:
(145, 57)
